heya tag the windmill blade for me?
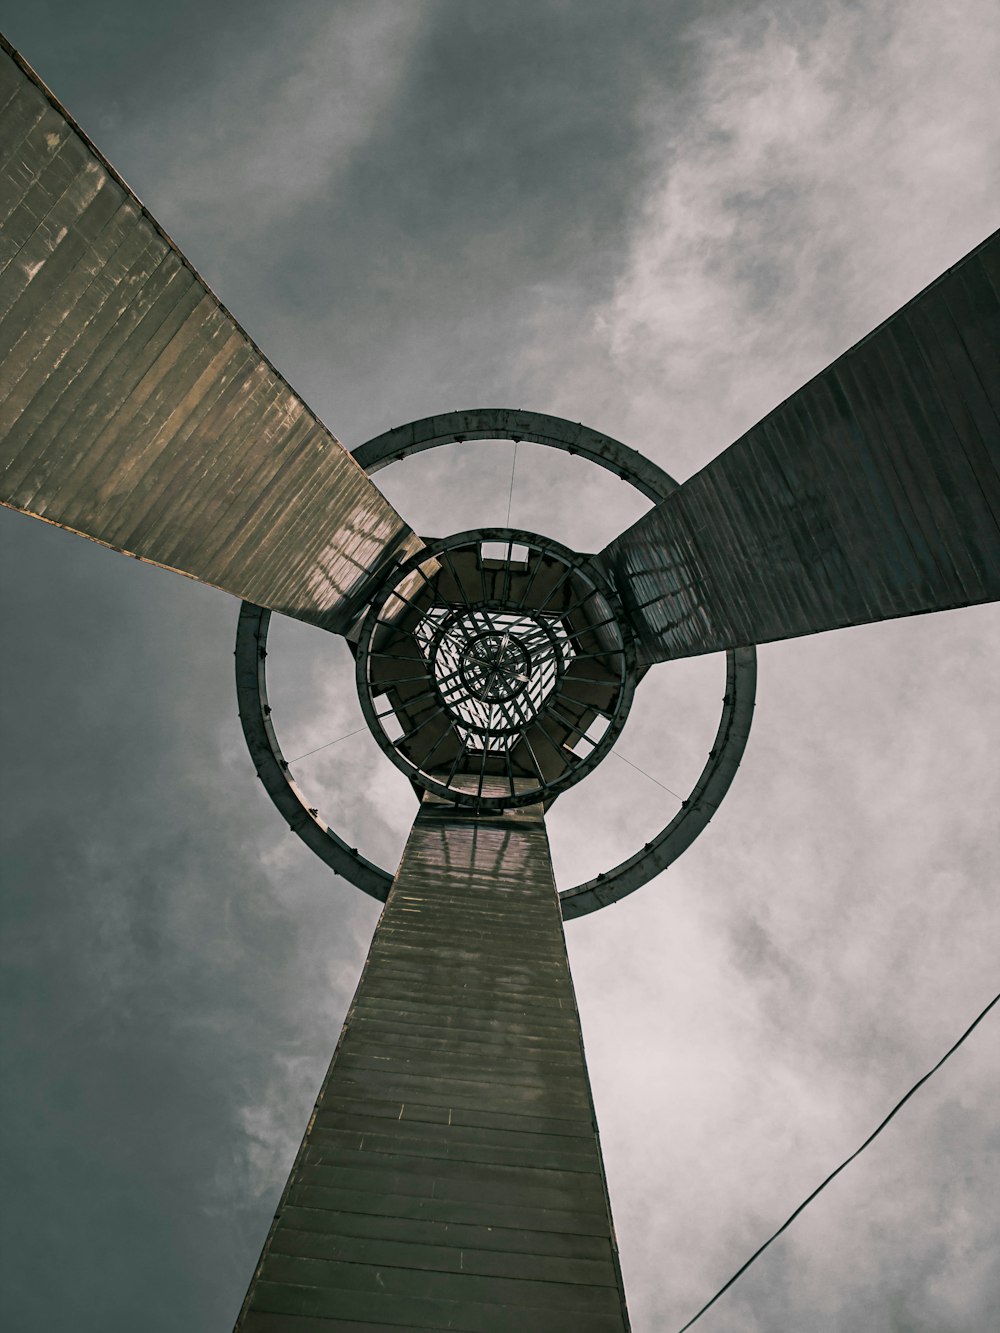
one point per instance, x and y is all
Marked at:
(873, 492)
(135, 410)
(451, 1174)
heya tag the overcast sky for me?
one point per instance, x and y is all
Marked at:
(659, 219)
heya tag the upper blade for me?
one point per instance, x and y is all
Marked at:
(136, 411)
(873, 492)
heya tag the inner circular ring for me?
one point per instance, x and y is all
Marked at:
(464, 683)
(495, 666)
(528, 669)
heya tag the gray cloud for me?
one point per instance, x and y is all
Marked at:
(660, 222)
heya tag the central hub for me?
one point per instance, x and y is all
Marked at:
(494, 668)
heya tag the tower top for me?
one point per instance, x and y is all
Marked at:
(495, 668)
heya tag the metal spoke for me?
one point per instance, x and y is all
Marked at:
(482, 766)
(463, 751)
(556, 747)
(454, 574)
(600, 624)
(584, 703)
(531, 579)
(567, 574)
(608, 652)
(388, 626)
(420, 725)
(405, 703)
(534, 758)
(480, 560)
(401, 597)
(507, 572)
(392, 682)
(568, 611)
(436, 746)
(508, 757)
(554, 711)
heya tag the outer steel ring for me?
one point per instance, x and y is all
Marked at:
(652, 482)
(272, 768)
(626, 668)
(507, 423)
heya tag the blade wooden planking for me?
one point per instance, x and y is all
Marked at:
(135, 411)
(872, 492)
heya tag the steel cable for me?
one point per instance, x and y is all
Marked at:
(846, 1162)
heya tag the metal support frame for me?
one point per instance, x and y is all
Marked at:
(737, 707)
(579, 586)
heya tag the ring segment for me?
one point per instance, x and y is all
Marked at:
(737, 705)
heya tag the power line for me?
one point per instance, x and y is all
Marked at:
(327, 745)
(875, 1133)
(647, 775)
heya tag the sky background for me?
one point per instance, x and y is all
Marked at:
(659, 219)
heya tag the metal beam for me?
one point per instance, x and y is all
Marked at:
(451, 1173)
(873, 492)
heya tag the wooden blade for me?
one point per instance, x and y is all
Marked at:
(450, 1174)
(134, 409)
(873, 492)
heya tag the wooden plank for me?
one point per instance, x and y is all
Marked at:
(415, 1312)
(134, 409)
(873, 492)
(456, 1236)
(315, 1244)
(451, 1167)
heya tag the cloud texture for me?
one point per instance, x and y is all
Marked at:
(658, 219)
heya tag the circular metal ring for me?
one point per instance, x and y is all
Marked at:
(272, 767)
(652, 482)
(422, 629)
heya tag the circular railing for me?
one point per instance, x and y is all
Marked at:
(495, 669)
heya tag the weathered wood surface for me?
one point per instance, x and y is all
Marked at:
(873, 492)
(451, 1176)
(136, 411)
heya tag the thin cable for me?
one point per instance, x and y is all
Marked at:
(510, 495)
(647, 775)
(757, 1253)
(326, 746)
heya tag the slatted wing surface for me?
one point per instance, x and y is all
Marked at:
(872, 492)
(450, 1176)
(136, 411)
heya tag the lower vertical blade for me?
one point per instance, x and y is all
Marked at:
(451, 1173)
